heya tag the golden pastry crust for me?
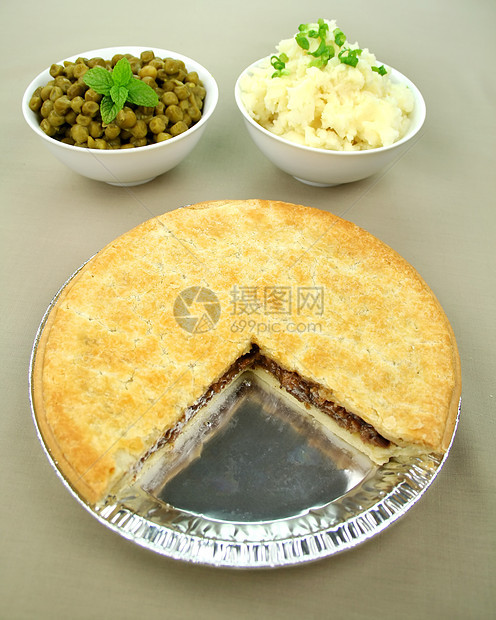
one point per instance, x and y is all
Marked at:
(115, 370)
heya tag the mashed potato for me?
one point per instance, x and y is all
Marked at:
(337, 107)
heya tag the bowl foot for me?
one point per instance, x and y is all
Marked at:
(314, 184)
(132, 183)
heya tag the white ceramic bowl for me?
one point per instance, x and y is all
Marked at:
(126, 166)
(321, 167)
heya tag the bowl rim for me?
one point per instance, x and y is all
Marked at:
(395, 74)
(212, 94)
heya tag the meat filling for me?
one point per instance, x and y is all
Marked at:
(309, 392)
(305, 391)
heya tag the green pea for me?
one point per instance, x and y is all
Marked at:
(62, 105)
(181, 75)
(115, 59)
(140, 129)
(48, 128)
(162, 137)
(193, 77)
(169, 85)
(178, 128)
(70, 117)
(55, 93)
(45, 92)
(159, 108)
(157, 125)
(83, 120)
(55, 119)
(200, 92)
(182, 92)
(147, 56)
(174, 113)
(80, 69)
(125, 118)
(92, 95)
(35, 103)
(100, 144)
(115, 143)
(79, 134)
(46, 108)
(97, 61)
(138, 141)
(62, 82)
(135, 65)
(171, 66)
(169, 98)
(148, 71)
(56, 70)
(76, 89)
(96, 129)
(195, 113)
(112, 130)
(69, 70)
(77, 104)
(90, 108)
(158, 63)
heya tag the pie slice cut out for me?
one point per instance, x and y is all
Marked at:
(344, 323)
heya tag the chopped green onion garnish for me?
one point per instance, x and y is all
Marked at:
(380, 70)
(349, 57)
(279, 64)
(339, 37)
(302, 41)
(325, 50)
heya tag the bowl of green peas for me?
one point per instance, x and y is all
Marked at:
(121, 115)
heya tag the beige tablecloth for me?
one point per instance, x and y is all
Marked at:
(435, 206)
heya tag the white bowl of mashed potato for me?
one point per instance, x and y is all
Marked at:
(326, 111)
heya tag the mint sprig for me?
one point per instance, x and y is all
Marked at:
(117, 87)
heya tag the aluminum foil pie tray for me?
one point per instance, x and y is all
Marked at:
(255, 482)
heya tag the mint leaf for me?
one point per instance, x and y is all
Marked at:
(99, 79)
(108, 109)
(118, 87)
(140, 93)
(118, 95)
(122, 72)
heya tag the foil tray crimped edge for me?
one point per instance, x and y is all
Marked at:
(348, 521)
(361, 515)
